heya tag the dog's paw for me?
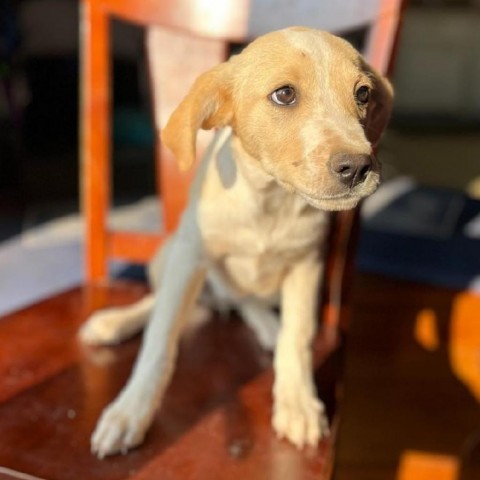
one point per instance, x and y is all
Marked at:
(121, 427)
(300, 418)
(102, 328)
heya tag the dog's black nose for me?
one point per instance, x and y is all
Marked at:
(351, 168)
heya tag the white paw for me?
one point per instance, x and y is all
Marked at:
(102, 328)
(121, 427)
(299, 417)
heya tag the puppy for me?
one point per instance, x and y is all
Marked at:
(299, 113)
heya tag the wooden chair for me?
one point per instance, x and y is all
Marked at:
(52, 388)
(186, 37)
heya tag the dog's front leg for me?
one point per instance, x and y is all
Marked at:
(298, 414)
(124, 423)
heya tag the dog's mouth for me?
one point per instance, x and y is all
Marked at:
(346, 202)
(342, 201)
(345, 199)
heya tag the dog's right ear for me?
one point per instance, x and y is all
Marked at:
(379, 108)
(207, 105)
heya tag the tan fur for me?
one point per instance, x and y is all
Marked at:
(256, 218)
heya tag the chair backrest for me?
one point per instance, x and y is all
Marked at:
(218, 21)
(186, 37)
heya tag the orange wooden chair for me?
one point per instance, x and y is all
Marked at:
(185, 37)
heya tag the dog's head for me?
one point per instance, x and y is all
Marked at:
(304, 104)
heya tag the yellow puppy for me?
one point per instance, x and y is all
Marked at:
(299, 112)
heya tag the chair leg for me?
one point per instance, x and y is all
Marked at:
(95, 139)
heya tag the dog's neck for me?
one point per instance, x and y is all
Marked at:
(250, 168)
(265, 188)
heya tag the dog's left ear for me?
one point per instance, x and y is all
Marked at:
(207, 105)
(379, 108)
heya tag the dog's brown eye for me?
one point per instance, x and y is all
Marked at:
(284, 96)
(362, 95)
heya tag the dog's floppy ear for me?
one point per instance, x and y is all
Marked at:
(207, 105)
(379, 108)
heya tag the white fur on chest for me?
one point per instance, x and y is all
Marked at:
(253, 229)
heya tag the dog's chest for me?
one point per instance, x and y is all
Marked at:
(258, 258)
(254, 237)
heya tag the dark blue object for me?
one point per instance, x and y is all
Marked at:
(420, 237)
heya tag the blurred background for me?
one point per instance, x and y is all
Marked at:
(431, 152)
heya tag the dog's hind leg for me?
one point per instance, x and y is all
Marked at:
(116, 324)
(113, 325)
(264, 322)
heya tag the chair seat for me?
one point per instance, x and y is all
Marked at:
(214, 422)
